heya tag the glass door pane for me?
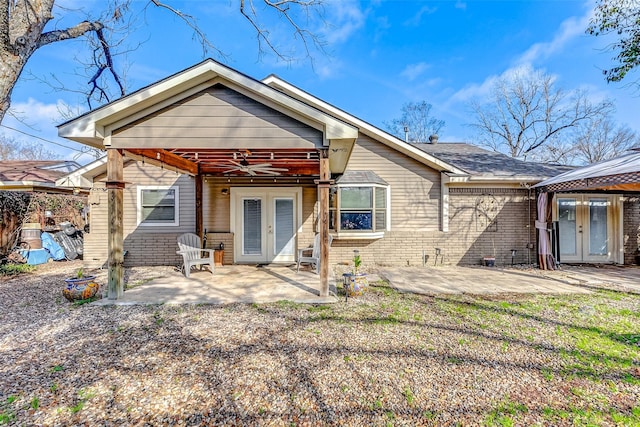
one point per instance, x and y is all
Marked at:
(598, 236)
(284, 227)
(252, 227)
(567, 224)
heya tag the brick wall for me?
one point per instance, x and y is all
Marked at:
(151, 249)
(482, 222)
(631, 232)
(214, 240)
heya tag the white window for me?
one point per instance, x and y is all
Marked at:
(359, 210)
(158, 206)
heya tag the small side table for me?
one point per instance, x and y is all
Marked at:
(218, 257)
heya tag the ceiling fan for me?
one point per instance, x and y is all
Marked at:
(243, 165)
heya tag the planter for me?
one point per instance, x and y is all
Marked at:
(82, 288)
(489, 261)
(355, 284)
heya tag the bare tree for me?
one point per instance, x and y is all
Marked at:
(13, 149)
(416, 122)
(24, 29)
(590, 142)
(600, 140)
(526, 112)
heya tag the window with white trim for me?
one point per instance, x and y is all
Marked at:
(158, 206)
(358, 208)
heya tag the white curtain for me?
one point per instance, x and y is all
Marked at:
(545, 258)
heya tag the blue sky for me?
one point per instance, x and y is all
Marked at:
(379, 56)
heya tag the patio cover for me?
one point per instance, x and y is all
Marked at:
(619, 174)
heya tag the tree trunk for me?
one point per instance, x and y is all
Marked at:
(10, 68)
(21, 25)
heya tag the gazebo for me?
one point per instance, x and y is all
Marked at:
(596, 191)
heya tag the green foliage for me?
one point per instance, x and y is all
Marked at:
(409, 396)
(15, 269)
(79, 302)
(622, 18)
(7, 414)
(504, 413)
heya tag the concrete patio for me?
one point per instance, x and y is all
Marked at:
(229, 284)
(484, 280)
(270, 283)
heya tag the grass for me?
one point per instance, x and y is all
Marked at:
(505, 413)
(594, 336)
(584, 348)
(15, 269)
(7, 411)
(79, 302)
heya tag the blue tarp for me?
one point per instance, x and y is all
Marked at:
(35, 256)
(56, 251)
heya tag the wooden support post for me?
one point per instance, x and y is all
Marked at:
(115, 187)
(199, 229)
(323, 195)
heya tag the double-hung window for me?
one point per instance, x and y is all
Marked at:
(359, 209)
(158, 206)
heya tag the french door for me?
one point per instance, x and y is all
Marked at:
(265, 222)
(585, 225)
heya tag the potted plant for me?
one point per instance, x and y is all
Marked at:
(80, 287)
(490, 261)
(356, 282)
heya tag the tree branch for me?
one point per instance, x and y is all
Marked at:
(193, 24)
(70, 33)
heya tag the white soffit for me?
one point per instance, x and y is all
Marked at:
(83, 177)
(365, 128)
(90, 127)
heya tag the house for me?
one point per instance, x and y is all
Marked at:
(35, 175)
(594, 212)
(261, 166)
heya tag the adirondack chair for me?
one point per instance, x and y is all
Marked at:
(192, 253)
(311, 255)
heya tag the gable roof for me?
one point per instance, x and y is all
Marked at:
(483, 164)
(92, 127)
(30, 174)
(364, 127)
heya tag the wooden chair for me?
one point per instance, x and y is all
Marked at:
(311, 255)
(192, 253)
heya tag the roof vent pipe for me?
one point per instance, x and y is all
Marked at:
(433, 139)
(406, 134)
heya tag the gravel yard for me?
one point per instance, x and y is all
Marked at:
(385, 358)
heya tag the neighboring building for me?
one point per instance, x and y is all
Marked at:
(35, 175)
(211, 149)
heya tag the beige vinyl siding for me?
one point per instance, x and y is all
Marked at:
(145, 245)
(216, 218)
(309, 217)
(216, 208)
(415, 188)
(217, 117)
(95, 242)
